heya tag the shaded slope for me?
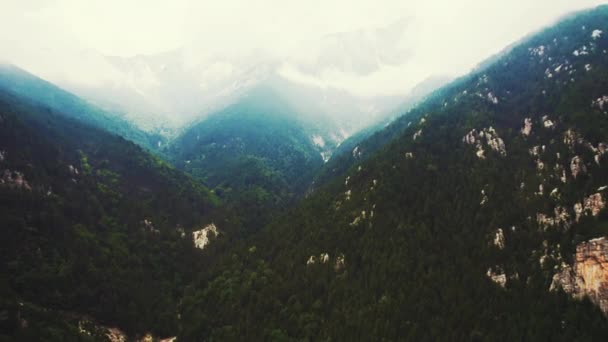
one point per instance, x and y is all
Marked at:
(21, 83)
(454, 230)
(91, 225)
(255, 154)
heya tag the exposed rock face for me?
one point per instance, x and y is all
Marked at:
(484, 197)
(527, 129)
(356, 152)
(339, 262)
(73, 170)
(578, 210)
(323, 258)
(600, 102)
(116, 335)
(201, 237)
(359, 218)
(14, 179)
(491, 139)
(147, 338)
(492, 98)
(417, 134)
(497, 275)
(594, 204)
(540, 165)
(499, 239)
(577, 166)
(311, 260)
(589, 274)
(149, 227)
(598, 151)
(571, 138)
(561, 218)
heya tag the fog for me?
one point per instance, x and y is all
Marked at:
(366, 48)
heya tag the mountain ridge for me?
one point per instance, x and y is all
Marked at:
(434, 236)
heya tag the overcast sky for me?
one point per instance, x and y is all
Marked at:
(425, 37)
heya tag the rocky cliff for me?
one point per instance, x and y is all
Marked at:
(589, 274)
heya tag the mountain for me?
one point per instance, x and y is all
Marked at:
(23, 84)
(170, 91)
(256, 152)
(483, 218)
(162, 93)
(93, 227)
(165, 92)
(359, 146)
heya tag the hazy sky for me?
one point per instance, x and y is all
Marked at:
(435, 37)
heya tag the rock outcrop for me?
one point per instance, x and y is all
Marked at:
(527, 129)
(594, 204)
(116, 335)
(14, 179)
(577, 166)
(589, 274)
(491, 139)
(201, 237)
(497, 275)
(499, 239)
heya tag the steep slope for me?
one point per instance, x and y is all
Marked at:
(361, 145)
(454, 231)
(92, 228)
(255, 154)
(23, 84)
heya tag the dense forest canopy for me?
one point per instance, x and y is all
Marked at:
(462, 219)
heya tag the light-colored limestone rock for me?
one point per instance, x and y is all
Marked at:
(484, 198)
(499, 239)
(116, 335)
(357, 152)
(312, 260)
(527, 129)
(577, 166)
(594, 204)
(486, 137)
(600, 102)
(14, 179)
(201, 236)
(497, 275)
(323, 258)
(588, 276)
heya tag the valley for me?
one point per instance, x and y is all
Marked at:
(471, 208)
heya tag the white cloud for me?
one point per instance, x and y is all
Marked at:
(438, 37)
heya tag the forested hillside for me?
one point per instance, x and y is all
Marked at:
(480, 214)
(94, 229)
(23, 84)
(453, 231)
(255, 155)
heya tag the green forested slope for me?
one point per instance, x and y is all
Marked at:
(23, 84)
(90, 227)
(409, 235)
(255, 155)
